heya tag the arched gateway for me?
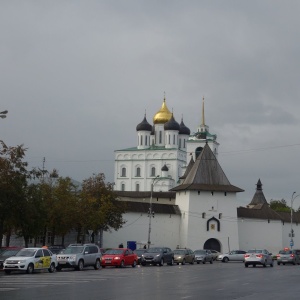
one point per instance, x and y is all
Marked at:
(212, 244)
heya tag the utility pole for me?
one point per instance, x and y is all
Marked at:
(151, 212)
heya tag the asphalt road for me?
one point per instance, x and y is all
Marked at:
(217, 281)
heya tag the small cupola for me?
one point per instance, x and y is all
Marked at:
(144, 125)
(171, 124)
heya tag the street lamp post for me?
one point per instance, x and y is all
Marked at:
(3, 114)
(292, 231)
(151, 212)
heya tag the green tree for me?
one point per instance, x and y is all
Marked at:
(13, 184)
(98, 208)
(279, 205)
(62, 214)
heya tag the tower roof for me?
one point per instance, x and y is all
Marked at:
(207, 175)
(259, 197)
(163, 115)
(188, 168)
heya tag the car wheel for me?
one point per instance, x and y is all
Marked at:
(103, 267)
(143, 264)
(97, 265)
(183, 262)
(122, 264)
(7, 272)
(211, 261)
(264, 264)
(271, 264)
(177, 264)
(203, 261)
(283, 264)
(198, 262)
(254, 265)
(246, 265)
(294, 263)
(30, 269)
(225, 259)
(58, 268)
(192, 262)
(161, 263)
(80, 265)
(278, 263)
(134, 264)
(52, 268)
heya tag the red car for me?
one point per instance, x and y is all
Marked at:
(119, 257)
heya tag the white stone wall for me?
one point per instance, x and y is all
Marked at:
(257, 233)
(164, 231)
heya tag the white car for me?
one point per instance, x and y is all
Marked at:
(30, 259)
(234, 255)
(258, 257)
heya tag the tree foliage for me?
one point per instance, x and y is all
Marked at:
(279, 205)
(32, 208)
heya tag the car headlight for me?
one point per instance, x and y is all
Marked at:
(117, 257)
(21, 261)
(157, 255)
(72, 257)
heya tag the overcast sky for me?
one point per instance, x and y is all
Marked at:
(77, 77)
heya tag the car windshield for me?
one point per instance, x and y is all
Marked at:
(114, 251)
(73, 250)
(285, 252)
(154, 250)
(10, 252)
(138, 252)
(200, 252)
(179, 252)
(255, 251)
(26, 252)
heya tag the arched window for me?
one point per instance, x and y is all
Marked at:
(137, 187)
(123, 187)
(179, 143)
(138, 172)
(160, 137)
(153, 171)
(146, 140)
(141, 140)
(174, 141)
(123, 173)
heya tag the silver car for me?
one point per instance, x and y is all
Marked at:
(258, 257)
(234, 255)
(203, 256)
(78, 256)
(288, 257)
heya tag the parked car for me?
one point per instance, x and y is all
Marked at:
(78, 256)
(203, 256)
(139, 253)
(2, 249)
(158, 256)
(234, 255)
(6, 254)
(184, 256)
(258, 257)
(56, 249)
(31, 259)
(214, 253)
(288, 256)
(119, 257)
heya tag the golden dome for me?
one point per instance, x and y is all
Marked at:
(163, 115)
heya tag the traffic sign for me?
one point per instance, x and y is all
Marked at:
(291, 243)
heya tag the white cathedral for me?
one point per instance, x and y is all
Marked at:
(177, 194)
